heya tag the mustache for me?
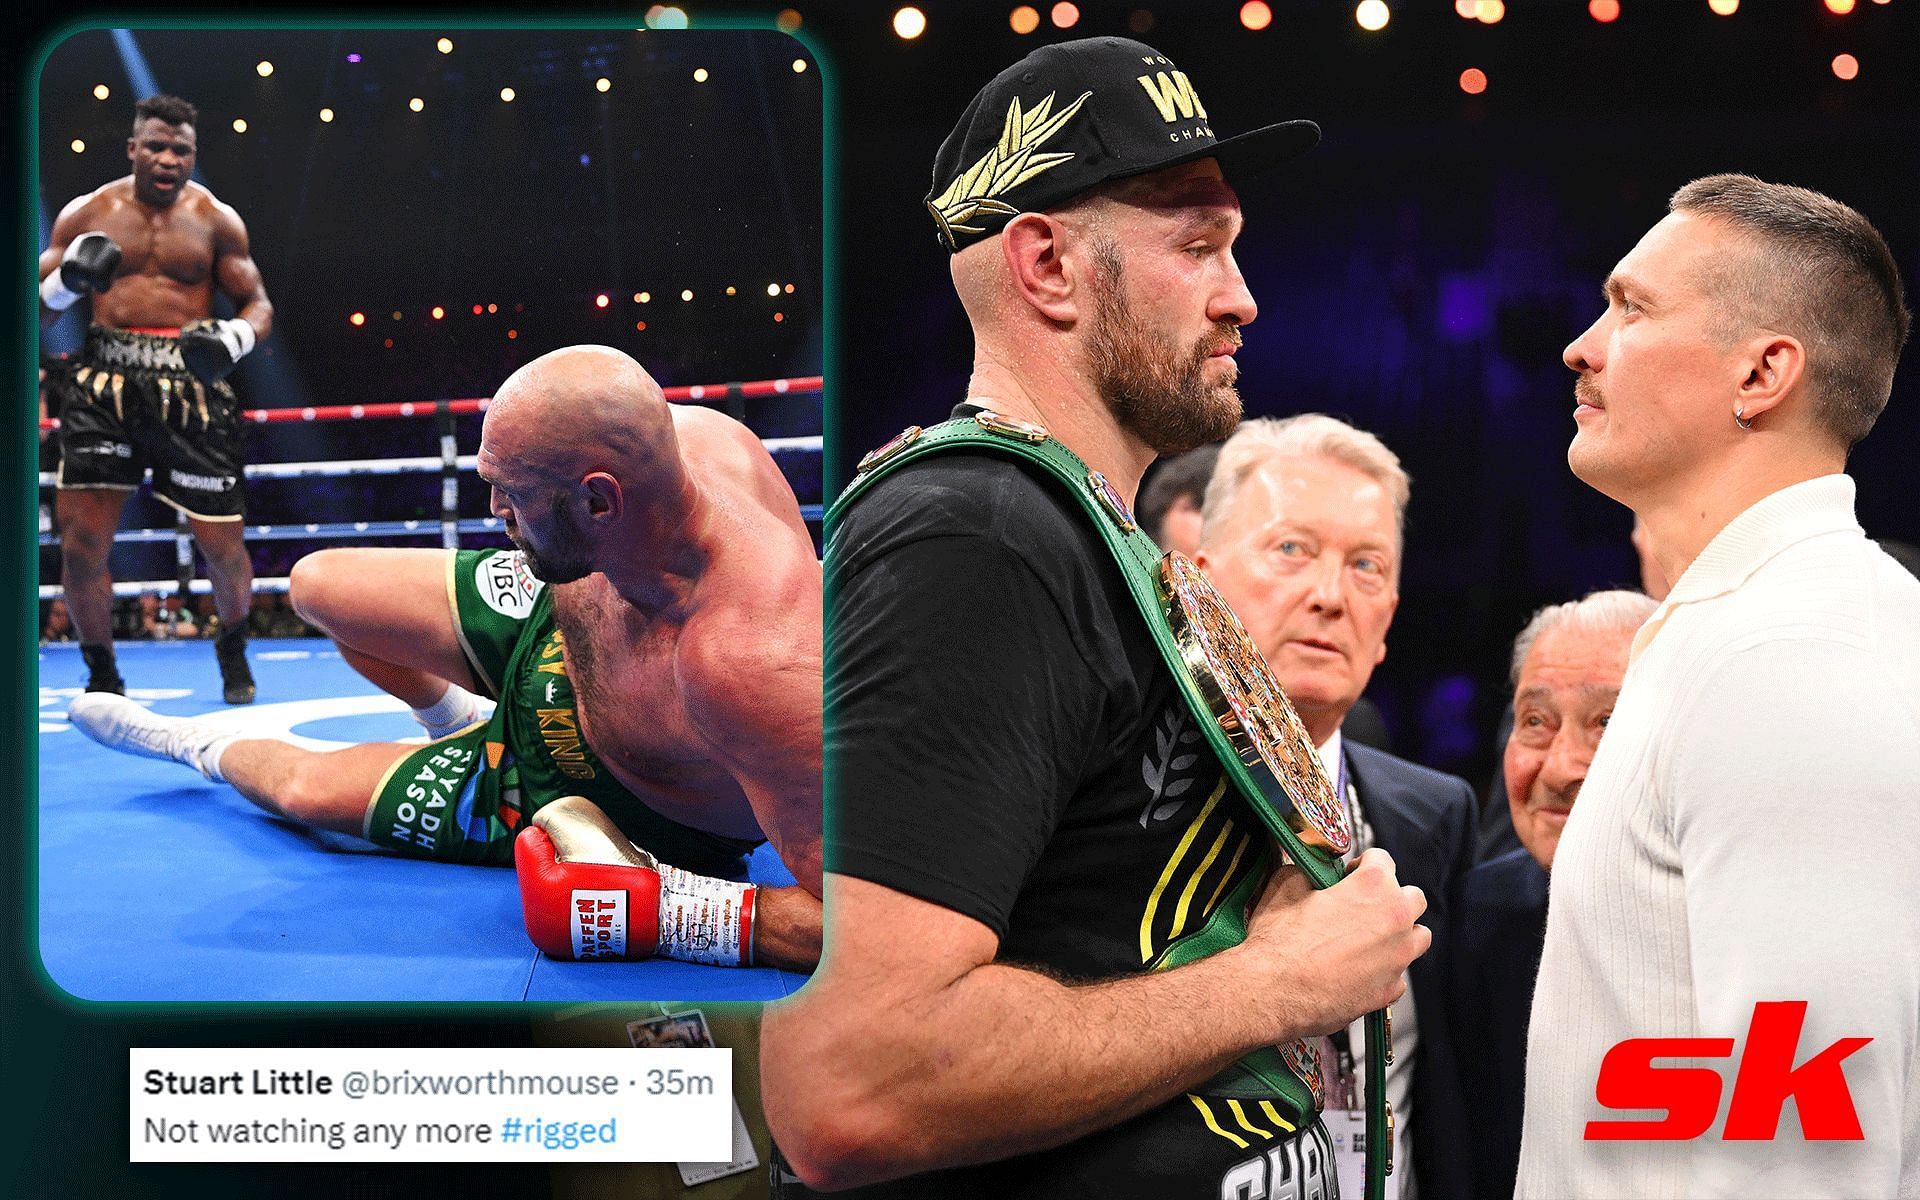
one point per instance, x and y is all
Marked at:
(1586, 391)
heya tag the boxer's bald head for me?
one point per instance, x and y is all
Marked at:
(574, 442)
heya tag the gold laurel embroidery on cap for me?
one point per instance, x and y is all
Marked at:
(1011, 162)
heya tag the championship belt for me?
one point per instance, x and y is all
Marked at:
(1249, 724)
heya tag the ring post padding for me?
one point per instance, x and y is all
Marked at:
(449, 477)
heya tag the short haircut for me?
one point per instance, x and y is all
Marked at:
(1820, 271)
(171, 109)
(1182, 476)
(1596, 612)
(1309, 434)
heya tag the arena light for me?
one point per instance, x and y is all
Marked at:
(1604, 11)
(1140, 20)
(773, 289)
(101, 91)
(1372, 15)
(1839, 8)
(1024, 20)
(666, 16)
(1489, 12)
(1064, 15)
(512, 334)
(1724, 8)
(687, 294)
(603, 84)
(388, 343)
(642, 297)
(397, 314)
(507, 94)
(909, 23)
(263, 68)
(730, 289)
(799, 66)
(358, 318)
(700, 75)
(477, 310)
(1473, 81)
(1846, 66)
(779, 317)
(444, 45)
(788, 20)
(602, 300)
(439, 312)
(493, 308)
(353, 58)
(639, 326)
(1468, 9)
(788, 289)
(77, 146)
(239, 124)
(416, 104)
(326, 116)
(1256, 15)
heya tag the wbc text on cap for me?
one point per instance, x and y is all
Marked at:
(1071, 116)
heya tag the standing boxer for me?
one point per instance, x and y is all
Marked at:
(1741, 857)
(150, 387)
(1026, 823)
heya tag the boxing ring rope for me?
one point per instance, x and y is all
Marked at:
(449, 465)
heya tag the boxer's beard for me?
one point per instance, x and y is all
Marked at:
(567, 558)
(1156, 390)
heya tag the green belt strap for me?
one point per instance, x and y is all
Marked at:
(1264, 1072)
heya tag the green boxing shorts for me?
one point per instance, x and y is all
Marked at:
(464, 797)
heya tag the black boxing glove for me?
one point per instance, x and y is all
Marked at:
(211, 348)
(86, 269)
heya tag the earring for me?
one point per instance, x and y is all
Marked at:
(1740, 417)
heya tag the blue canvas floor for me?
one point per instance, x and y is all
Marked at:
(157, 885)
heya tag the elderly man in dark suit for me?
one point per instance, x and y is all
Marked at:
(1567, 667)
(1302, 535)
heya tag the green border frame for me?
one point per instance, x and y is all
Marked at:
(24, 646)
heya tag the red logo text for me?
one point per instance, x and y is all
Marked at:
(1766, 1080)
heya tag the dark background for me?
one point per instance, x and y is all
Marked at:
(1421, 271)
(1419, 274)
(535, 207)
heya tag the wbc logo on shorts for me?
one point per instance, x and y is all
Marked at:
(506, 584)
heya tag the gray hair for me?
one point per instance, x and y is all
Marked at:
(1597, 612)
(1266, 438)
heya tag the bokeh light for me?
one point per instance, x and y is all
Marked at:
(1372, 15)
(1473, 81)
(1604, 11)
(1846, 66)
(1064, 15)
(1024, 19)
(263, 68)
(909, 22)
(1255, 15)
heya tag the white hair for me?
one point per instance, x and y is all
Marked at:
(1310, 434)
(1619, 610)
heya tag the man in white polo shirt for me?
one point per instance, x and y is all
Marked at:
(1745, 835)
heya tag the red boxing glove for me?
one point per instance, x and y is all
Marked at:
(585, 910)
(587, 892)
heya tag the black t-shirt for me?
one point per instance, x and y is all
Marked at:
(1006, 742)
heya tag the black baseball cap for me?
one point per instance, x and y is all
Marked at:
(1073, 115)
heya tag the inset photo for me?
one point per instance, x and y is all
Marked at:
(430, 502)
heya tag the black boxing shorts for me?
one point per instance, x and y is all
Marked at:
(129, 404)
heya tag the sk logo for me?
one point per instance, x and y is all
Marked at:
(1765, 1081)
